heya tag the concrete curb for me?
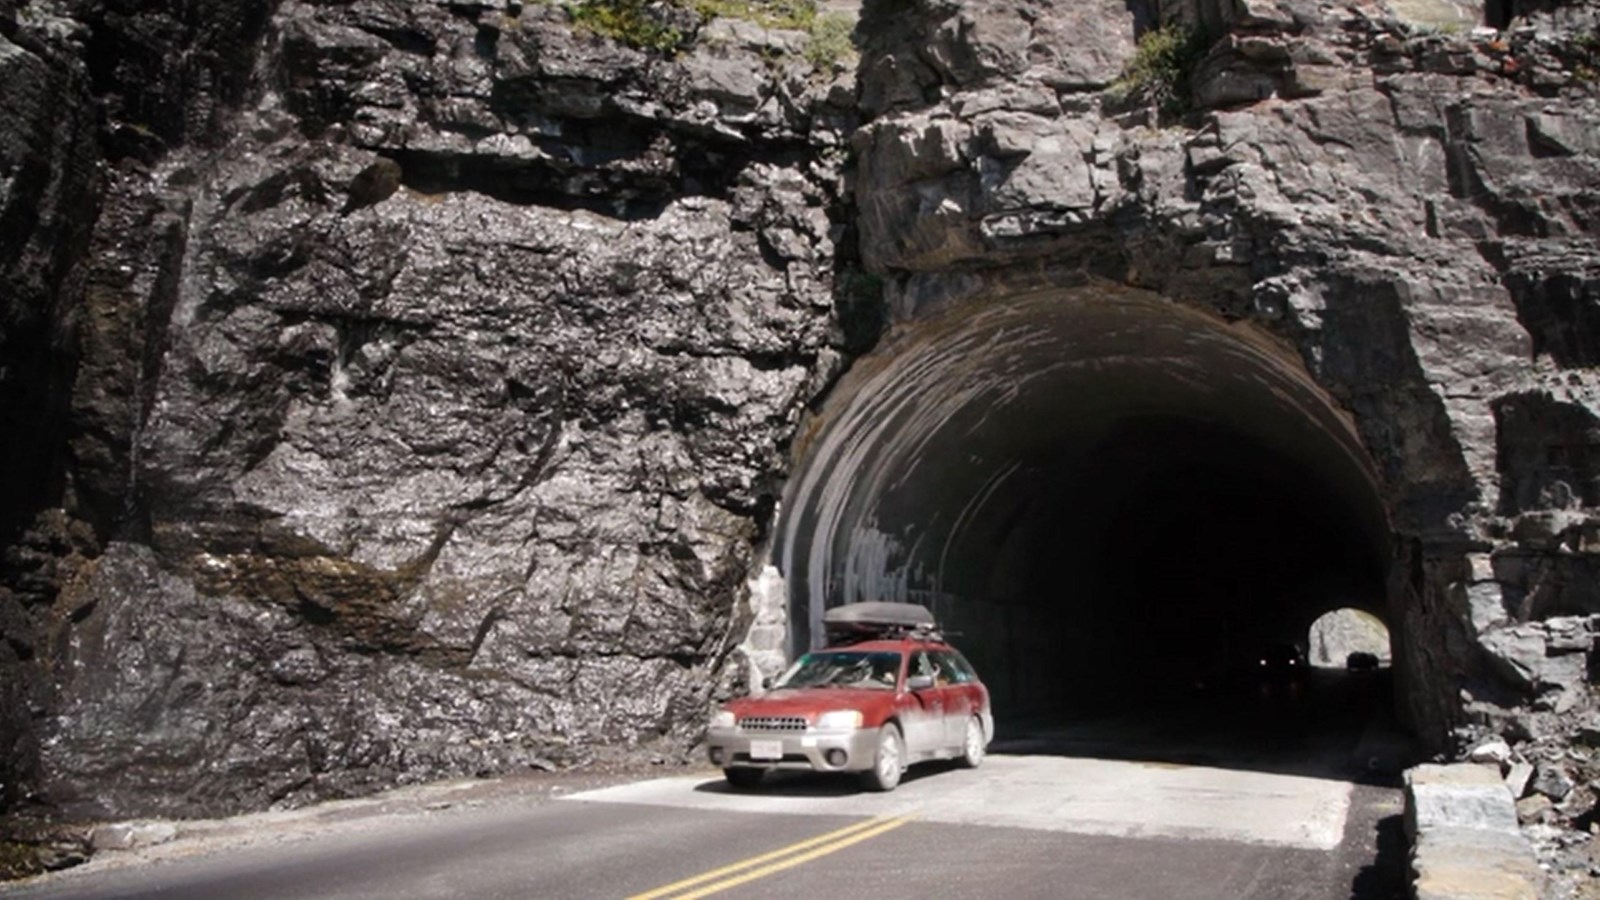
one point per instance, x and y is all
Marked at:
(1465, 843)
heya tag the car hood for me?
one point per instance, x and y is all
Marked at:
(810, 702)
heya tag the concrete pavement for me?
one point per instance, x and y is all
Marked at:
(1047, 793)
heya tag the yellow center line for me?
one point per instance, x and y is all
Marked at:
(792, 861)
(841, 838)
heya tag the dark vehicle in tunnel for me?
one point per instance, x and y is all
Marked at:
(1361, 661)
(888, 692)
(1281, 663)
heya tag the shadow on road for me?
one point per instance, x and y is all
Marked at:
(819, 784)
(1387, 876)
(1327, 724)
(790, 784)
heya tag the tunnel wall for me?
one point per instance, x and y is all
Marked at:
(1085, 481)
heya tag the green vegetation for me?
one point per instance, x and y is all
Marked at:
(831, 43)
(649, 24)
(1585, 57)
(629, 21)
(1160, 70)
(18, 861)
(796, 15)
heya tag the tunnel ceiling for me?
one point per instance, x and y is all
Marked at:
(1073, 470)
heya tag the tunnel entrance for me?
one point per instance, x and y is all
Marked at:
(1106, 498)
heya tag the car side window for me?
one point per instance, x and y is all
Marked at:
(925, 666)
(968, 673)
(954, 666)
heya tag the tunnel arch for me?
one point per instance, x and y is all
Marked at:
(1081, 483)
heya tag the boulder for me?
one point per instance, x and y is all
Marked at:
(131, 835)
(1496, 752)
(1553, 781)
(1465, 841)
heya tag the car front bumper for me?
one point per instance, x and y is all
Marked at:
(811, 749)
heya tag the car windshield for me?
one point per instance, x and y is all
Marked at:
(844, 668)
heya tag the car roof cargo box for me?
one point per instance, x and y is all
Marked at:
(876, 619)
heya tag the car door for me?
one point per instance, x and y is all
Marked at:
(924, 714)
(955, 696)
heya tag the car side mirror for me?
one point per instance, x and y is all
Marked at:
(919, 682)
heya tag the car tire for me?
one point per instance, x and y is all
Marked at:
(972, 745)
(743, 779)
(890, 761)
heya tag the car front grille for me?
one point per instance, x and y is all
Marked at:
(773, 723)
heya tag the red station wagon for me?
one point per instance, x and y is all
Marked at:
(887, 692)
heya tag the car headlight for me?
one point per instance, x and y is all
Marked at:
(839, 720)
(722, 718)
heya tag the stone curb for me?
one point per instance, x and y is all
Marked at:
(1465, 842)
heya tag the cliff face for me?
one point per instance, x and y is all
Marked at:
(395, 390)
(419, 415)
(1405, 198)
(1414, 211)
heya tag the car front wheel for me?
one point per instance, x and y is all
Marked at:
(972, 745)
(743, 778)
(890, 762)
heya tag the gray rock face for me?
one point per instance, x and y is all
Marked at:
(48, 185)
(1407, 202)
(48, 189)
(1542, 656)
(236, 703)
(1353, 221)
(395, 390)
(435, 407)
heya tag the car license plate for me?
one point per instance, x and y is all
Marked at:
(766, 749)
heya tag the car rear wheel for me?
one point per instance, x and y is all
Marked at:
(972, 745)
(890, 762)
(743, 778)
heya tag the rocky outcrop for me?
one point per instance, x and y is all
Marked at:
(49, 187)
(425, 411)
(1407, 200)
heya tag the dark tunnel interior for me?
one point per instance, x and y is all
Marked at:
(1106, 498)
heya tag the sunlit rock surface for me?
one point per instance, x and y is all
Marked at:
(421, 407)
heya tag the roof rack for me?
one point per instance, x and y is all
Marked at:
(878, 620)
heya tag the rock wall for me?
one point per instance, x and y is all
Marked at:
(1406, 198)
(420, 390)
(395, 390)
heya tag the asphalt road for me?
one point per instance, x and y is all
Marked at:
(1272, 802)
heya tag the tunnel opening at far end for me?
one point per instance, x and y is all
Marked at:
(1106, 498)
(1349, 639)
